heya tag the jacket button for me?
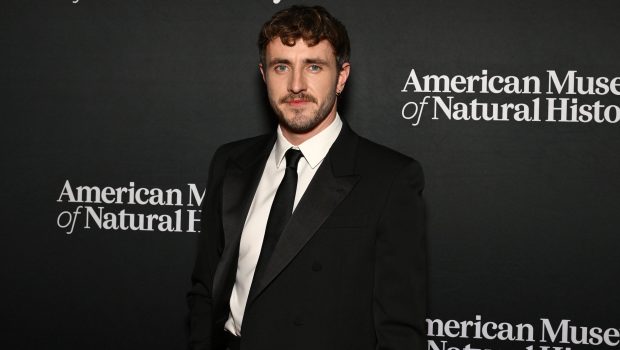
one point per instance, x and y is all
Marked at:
(316, 266)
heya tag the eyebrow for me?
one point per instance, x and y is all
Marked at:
(276, 61)
(316, 61)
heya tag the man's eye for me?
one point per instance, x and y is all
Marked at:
(314, 68)
(280, 68)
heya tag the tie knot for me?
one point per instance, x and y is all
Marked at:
(292, 158)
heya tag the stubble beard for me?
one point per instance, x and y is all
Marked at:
(303, 120)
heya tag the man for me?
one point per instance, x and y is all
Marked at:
(312, 237)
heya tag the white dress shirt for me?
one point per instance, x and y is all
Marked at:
(314, 151)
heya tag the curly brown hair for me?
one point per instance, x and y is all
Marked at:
(310, 23)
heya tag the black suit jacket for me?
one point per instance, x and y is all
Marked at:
(349, 271)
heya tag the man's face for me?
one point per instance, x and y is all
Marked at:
(302, 82)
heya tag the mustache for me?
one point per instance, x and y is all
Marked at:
(299, 96)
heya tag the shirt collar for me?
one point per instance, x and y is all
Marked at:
(314, 149)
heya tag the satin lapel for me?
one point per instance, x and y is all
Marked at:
(330, 185)
(242, 176)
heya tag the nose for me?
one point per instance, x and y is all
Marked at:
(297, 82)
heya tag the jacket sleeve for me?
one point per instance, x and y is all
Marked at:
(199, 298)
(399, 303)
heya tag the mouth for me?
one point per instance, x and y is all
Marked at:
(298, 100)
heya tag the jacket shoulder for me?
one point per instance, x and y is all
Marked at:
(382, 157)
(240, 146)
(383, 165)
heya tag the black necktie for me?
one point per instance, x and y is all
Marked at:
(281, 210)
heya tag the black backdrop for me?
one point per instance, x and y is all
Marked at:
(523, 216)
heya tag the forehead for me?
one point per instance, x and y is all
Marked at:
(322, 50)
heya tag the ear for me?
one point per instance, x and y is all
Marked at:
(343, 75)
(262, 72)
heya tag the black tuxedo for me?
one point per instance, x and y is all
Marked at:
(349, 270)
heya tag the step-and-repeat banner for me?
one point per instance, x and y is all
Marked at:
(112, 110)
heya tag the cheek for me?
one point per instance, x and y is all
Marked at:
(329, 87)
(275, 87)
(324, 86)
(277, 82)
